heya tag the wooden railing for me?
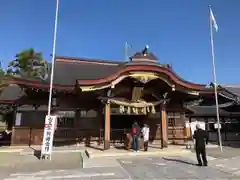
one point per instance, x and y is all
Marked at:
(68, 136)
(26, 136)
(176, 135)
(65, 136)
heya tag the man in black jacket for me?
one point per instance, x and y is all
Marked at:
(201, 139)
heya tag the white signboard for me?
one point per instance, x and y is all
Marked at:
(47, 142)
(202, 125)
(216, 126)
(18, 119)
(194, 124)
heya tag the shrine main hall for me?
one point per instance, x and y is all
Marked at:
(97, 101)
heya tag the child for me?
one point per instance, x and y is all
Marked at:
(145, 133)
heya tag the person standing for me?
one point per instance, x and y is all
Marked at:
(201, 139)
(145, 134)
(135, 136)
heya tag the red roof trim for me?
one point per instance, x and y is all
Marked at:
(158, 69)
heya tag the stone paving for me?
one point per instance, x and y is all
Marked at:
(67, 165)
(76, 174)
(159, 168)
(171, 168)
(228, 152)
(230, 165)
(10, 164)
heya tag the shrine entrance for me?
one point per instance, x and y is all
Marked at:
(134, 99)
(126, 121)
(121, 126)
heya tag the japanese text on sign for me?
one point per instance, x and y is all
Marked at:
(49, 129)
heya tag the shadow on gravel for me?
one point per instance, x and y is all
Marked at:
(179, 161)
(37, 154)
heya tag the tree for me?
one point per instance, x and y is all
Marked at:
(28, 63)
(2, 73)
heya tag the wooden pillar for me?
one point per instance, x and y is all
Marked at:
(164, 128)
(107, 126)
(13, 137)
(188, 129)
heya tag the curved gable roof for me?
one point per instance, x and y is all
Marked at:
(142, 67)
(94, 72)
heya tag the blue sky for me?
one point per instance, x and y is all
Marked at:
(177, 32)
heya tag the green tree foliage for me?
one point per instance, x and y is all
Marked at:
(28, 63)
(2, 73)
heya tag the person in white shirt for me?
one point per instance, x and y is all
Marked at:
(145, 134)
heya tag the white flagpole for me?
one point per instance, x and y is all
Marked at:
(215, 82)
(48, 119)
(53, 58)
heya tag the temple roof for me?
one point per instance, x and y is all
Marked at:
(231, 92)
(68, 70)
(233, 89)
(207, 111)
(11, 93)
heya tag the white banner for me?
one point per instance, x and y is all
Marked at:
(47, 142)
(194, 124)
(18, 120)
(216, 126)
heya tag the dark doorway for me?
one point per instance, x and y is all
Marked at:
(121, 125)
(125, 121)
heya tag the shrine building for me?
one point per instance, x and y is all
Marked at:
(97, 101)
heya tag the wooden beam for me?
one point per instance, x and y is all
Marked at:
(107, 126)
(164, 127)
